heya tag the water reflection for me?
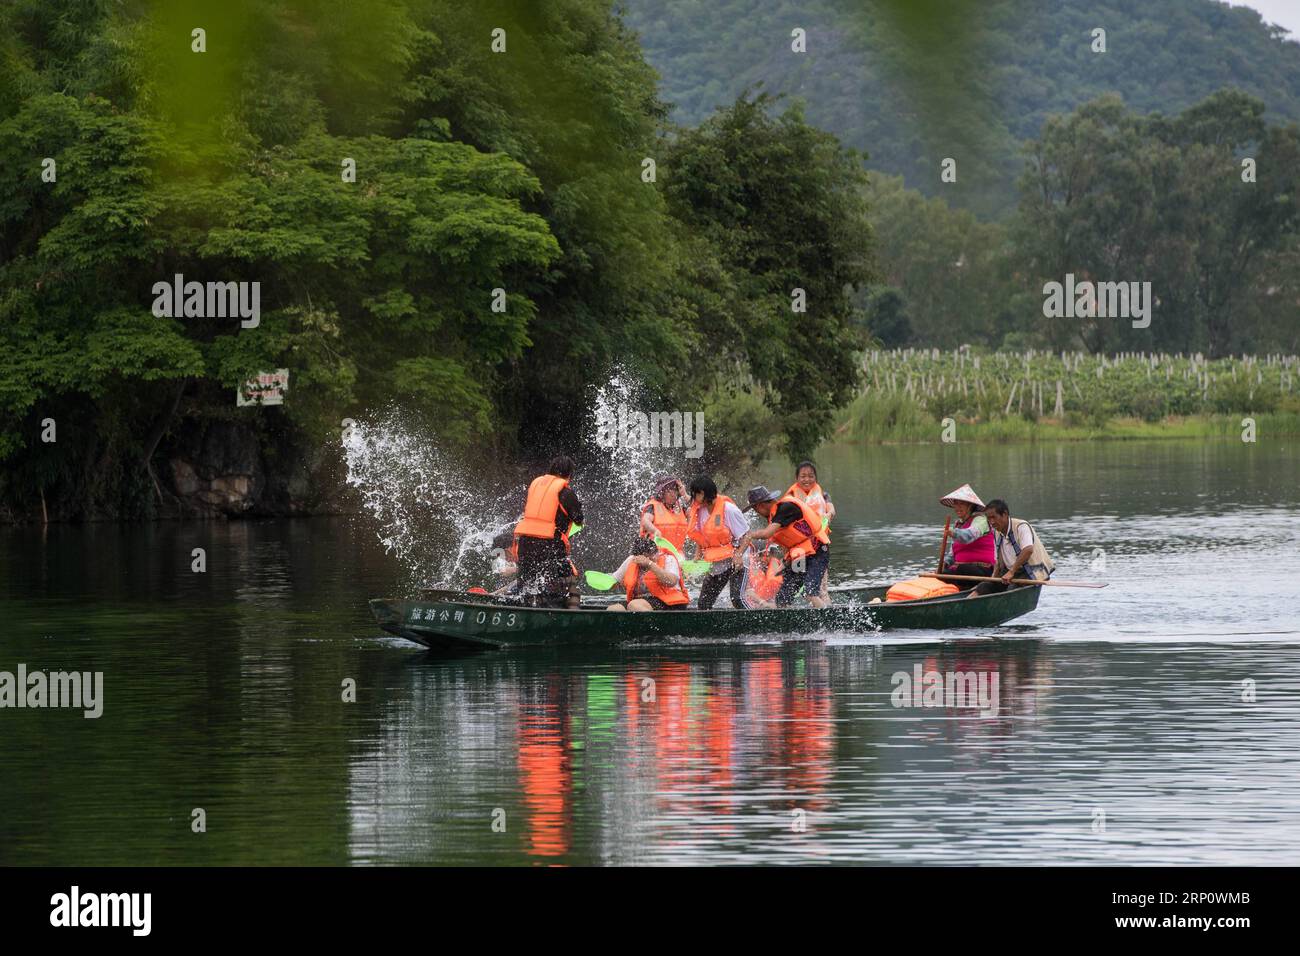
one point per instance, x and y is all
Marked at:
(659, 755)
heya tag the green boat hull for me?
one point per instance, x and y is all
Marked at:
(451, 620)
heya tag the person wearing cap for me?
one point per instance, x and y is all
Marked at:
(798, 528)
(973, 550)
(663, 516)
(1020, 554)
(714, 523)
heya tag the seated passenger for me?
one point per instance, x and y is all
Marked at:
(652, 579)
(972, 550)
(1019, 552)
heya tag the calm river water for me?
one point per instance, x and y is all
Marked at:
(1155, 721)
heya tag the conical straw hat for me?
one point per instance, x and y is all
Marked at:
(964, 493)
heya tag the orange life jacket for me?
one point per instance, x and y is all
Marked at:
(763, 581)
(914, 589)
(541, 508)
(714, 539)
(800, 538)
(670, 522)
(671, 596)
(816, 497)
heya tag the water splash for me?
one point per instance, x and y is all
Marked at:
(437, 515)
(430, 513)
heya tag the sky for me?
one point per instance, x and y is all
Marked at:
(1285, 13)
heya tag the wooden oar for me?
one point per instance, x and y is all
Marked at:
(1054, 584)
(943, 547)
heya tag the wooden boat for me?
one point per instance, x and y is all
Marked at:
(447, 619)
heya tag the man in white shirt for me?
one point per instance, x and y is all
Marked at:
(1020, 553)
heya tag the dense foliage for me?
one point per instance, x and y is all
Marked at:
(127, 157)
(1109, 195)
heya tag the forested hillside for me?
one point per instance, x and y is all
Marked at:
(970, 79)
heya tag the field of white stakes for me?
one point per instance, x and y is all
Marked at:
(1072, 387)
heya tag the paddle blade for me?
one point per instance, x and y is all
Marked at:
(696, 567)
(574, 529)
(600, 581)
(668, 546)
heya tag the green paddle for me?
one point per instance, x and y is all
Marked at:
(599, 580)
(688, 567)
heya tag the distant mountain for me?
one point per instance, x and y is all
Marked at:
(913, 82)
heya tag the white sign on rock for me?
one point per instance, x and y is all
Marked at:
(267, 389)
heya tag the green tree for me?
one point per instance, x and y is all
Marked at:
(782, 206)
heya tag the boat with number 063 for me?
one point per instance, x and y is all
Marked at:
(450, 619)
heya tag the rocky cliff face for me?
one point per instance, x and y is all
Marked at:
(226, 469)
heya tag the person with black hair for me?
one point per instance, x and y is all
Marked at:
(807, 489)
(652, 579)
(715, 524)
(547, 576)
(1020, 554)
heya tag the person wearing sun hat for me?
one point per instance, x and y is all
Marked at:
(973, 550)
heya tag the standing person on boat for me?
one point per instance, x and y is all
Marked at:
(546, 574)
(714, 523)
(663, 516)
(796, 527)
(652, 579)
(1020, 554)
(807, 490)
(973, 549)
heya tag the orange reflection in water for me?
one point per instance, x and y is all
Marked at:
(546, 777)
(696, 732)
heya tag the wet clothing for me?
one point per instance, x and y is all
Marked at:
(646, 584)
(546, 575)
(810, 578)
(716, 580)
(546, 571)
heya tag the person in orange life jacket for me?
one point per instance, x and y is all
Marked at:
(763, 570)
(1020, 554)
(547, 576)
(807, 490)
(652, 579)
(663, 515)
(972, 549)
(797, 528)
(714, 523)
